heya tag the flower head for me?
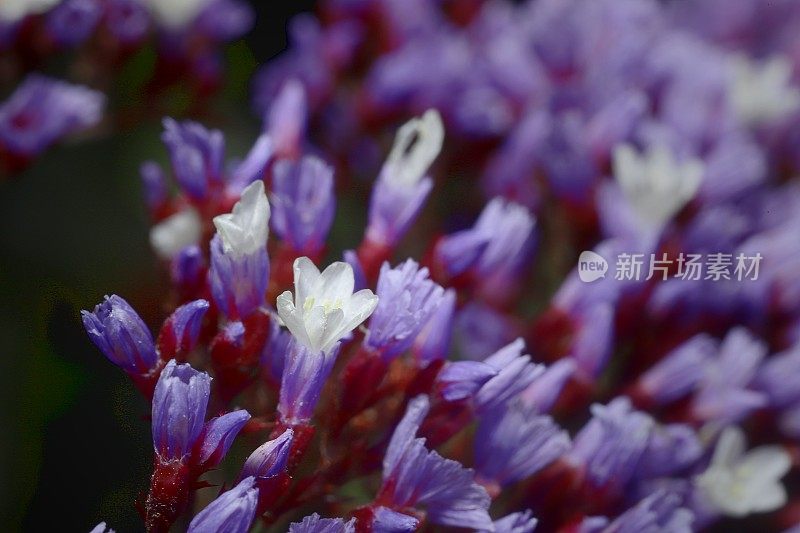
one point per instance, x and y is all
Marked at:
(324, 308)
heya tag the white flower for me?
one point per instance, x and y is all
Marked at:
(416, 145)
(739, 484)
(762, 92)
(176, 232)
(15, 10)
(176, 14)
(246, 228)
(655, 184)
(324, 308)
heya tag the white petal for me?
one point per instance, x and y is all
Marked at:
(768, 498)
(336, 282)
(360, 307)
(246, 228)
(766, 462)
(306, 276)
(417, 144)
(730, 447)
(176, 13)
(175, 233)
(335, 329)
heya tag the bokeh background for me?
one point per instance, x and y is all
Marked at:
(75, 447)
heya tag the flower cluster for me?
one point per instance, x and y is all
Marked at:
(484, 384)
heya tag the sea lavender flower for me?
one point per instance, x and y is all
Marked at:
(678, 372)
(542, 394)
(402, 186)
(197, 155)
(303, 203)
(324, 308)
(407, 299)
(73, 21)
(738, 483)
(433, 341)
(127, 20)
(316, 524)
(217, 437)
(521, 522)
(286, 120)
(777, 378)
(42, 110)
(122, 336)
(182, 329)
(513, 443)
(416, 477)
(659, 512)
(611, 444)
(270, 458)
(239, 264)
(386, 520)
(176, 232)
(760, 93)
(672, 448)
(232, 512)
(304, 375)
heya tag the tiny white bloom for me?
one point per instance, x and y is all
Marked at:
(655, 184)
(324, 308)
(416, 145)
(762, 92)
(246, 228)
(15, 10)
(176, 232)
(740, 483)
(176, 14)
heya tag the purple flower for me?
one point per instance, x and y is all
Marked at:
(316, 524)
(672, 448)
(416, 477)
(481, 329)
(41, 110)
(433, 341)
(72, 22)
(512, 444)
(611, 444)
(678, 372)
(521, 522)
(233, 511)
(179, 410)
(217, 436)
(407, 299)
(154, 183)
(463, 379)
(270, 458)
(182, 329)
(127, 20)
(515, 373)
(386, 520)
(187, 267)
(122, 336)
(661, 511)
(543, 393)
(196, 154)
(303, 203)
(778, 376)
(273, 356)
(287, 117)
(304, 375)
(225, 20)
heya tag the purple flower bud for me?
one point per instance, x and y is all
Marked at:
(304, 376)
(386, 520)
(179, 410)
(127, 20)
(513, 444)
(270, 458)
(543, 393)
(393, 208)
(182, 329)
(414, 476)
(154, 183)
(233, 511)
(41, 110)
(462, 379)
(217, 437)
(406, 301)
(196, 154)
(610, 445)
(188, 267)
(679, 371)
(121, 335)
(238, 284)
(521, 522)
(303, 203)
(286, 119)
(433, 341)
(72, 22)
(254, 166)
(316, 524)
(461, 251)
(515, 373)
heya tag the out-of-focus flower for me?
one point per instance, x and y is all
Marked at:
(316, 524)
(14, 10)
(176, 232)
(763, 92)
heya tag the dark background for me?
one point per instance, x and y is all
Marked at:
(75, 446)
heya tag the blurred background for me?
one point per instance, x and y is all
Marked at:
(75, 446)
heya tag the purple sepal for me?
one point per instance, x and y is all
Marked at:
(71, 22)
(611, 444)
(514, 444)
(661, 511)
(286, 120)
(393, 208)
(233, 511)
(677, 373)
(303, 203)
(238, 285)
(672, 449)
(778, 378)
(273, 356)
(406, 301)
(543, 393)
(433, 341)
(270, 458)
(462, 379)
(154, 184)
(179, 410)
(481, 329)
(386, 520)
(188, 267)
(316, 524)
(217, 437)
(461, 251)
(521, 522)
(41, 110)
(182, 329)
(414, 476)
(254, 166)
(122, 336)
(304, 376)
(515, 372)
(197, 155)
(593, 340)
